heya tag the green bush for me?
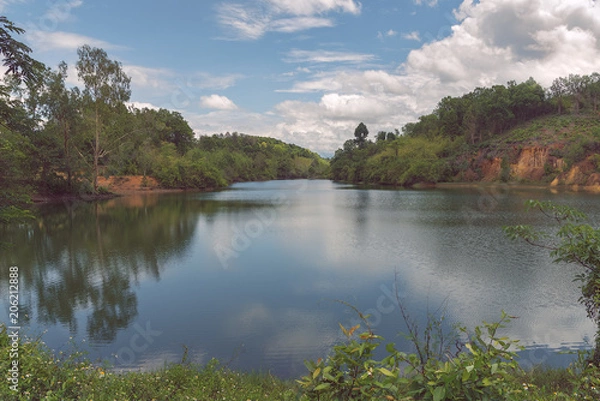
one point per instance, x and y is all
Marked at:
(487, 370)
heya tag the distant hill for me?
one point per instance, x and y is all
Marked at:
(515, 133)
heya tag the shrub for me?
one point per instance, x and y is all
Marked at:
(487, 371)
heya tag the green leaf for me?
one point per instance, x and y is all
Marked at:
(494, 368)
(387, 372)
(466, 375)
(439, 394)
(322, 386)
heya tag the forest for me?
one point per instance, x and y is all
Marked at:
(485, 123)
(57, 139)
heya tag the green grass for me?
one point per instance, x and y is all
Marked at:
(44, 376)
(550, 130)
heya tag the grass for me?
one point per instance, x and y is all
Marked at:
(550, 130)
(44, 376)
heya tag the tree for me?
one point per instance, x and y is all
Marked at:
(61, 108)
(593, 90)
(15, 54)
(14, 123)
(360, 133)
(575, 86)
(106, 90)
(558, 90)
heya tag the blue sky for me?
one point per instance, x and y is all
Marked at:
(308, 71)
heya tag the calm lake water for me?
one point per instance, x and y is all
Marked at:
(250, 275)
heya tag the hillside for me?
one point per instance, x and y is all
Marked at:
(557, 150)
(515, 133)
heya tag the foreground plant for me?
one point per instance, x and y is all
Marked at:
(487, 370)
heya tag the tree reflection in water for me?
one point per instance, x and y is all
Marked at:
(80, 256)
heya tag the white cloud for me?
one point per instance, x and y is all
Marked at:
(297, 24)
(148, 77)
(325, 56)
(414, 35)
(217, 102)
(59, 11)
(493, 42)
(244, 22)
(311, 7)
(44, 41)
(142, 105)
(546, 39)
(430, 3)
(5, 3)
(388, 34)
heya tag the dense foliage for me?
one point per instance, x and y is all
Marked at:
(439, 146)
(57, 140)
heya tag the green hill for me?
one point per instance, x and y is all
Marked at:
(513, 133)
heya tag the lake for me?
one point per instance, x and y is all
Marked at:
(252, 275)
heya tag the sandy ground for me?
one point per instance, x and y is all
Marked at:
(131, 184)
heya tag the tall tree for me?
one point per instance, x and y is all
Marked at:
(107, 88)
(558, 90)
(14, 123)
(61, 109)
(360, 133)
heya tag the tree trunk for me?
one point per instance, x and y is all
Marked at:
(96, 152)
(67, 157)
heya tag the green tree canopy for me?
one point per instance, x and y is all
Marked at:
(360, 134)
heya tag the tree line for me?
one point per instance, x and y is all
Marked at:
(57, 139)
(427, 150)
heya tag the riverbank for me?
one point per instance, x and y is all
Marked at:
(34, 372)
(114, 187)
(517, 185)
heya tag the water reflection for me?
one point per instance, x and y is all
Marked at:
(117, 266)
(81, 256)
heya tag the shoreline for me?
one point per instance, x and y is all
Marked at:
(117, 190)
(516, 185)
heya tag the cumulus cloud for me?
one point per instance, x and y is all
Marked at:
(217, 102)
(493, 42)
(244, 22)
